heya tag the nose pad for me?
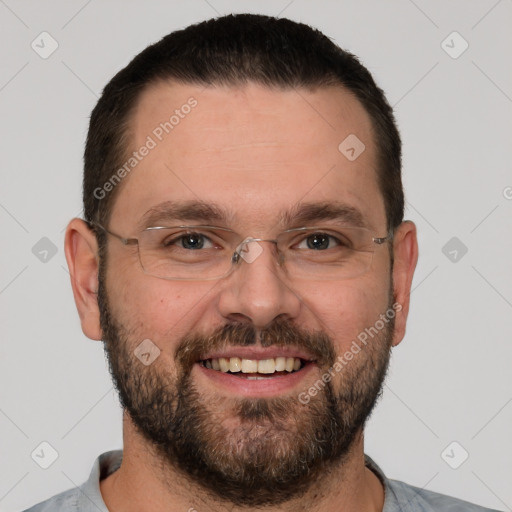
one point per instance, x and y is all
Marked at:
(248, 250)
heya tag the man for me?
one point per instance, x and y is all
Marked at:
(245, 261)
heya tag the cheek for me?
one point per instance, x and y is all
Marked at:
(163, 311)
(347, 308)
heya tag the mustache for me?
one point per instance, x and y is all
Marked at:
(279, 333)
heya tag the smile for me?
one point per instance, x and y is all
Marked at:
(255, 368)
(256, 371)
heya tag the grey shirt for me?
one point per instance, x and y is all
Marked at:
(399, 496)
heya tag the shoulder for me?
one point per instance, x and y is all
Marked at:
(402, 497)
(87, 497)
(67, 500)
(413, 499)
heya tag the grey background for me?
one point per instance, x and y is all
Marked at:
(450, 379)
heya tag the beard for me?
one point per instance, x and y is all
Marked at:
(248, 451)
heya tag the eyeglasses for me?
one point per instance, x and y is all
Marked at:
(202, 253)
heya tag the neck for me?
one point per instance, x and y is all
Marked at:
(139, 486)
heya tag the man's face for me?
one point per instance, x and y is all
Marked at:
(254, 153)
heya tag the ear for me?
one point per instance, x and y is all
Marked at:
(82, 256)
(405, 248)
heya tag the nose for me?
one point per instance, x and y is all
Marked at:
(258, 290)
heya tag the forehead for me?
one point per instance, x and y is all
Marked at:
(253, 152)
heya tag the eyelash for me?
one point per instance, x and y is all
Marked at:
(205, 237)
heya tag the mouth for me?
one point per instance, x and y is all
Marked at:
(255, 369)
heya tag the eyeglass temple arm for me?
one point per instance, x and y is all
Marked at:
(384, 239)
(124, 241)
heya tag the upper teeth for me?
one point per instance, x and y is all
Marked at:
(235, 364)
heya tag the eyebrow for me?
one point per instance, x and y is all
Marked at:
(308, 213)
(174, 211)
(301, 214)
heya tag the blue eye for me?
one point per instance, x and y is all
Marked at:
(191, 241)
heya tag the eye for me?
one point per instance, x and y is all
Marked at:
(192, 241)
(319, 242)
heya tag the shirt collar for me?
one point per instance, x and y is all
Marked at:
(109, 462)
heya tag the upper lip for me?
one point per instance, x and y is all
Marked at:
(255, 352)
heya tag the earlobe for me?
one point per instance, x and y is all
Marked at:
(405, 249)
(81, 251)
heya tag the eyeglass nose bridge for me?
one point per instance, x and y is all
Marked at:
(250, 253)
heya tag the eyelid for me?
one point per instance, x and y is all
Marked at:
(296, 231)
(332, 229)
(215, 234)
(333, 240)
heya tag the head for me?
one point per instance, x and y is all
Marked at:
(241, 122)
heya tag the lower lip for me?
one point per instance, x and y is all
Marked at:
(265, 387)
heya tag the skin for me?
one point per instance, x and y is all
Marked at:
(256, 152)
